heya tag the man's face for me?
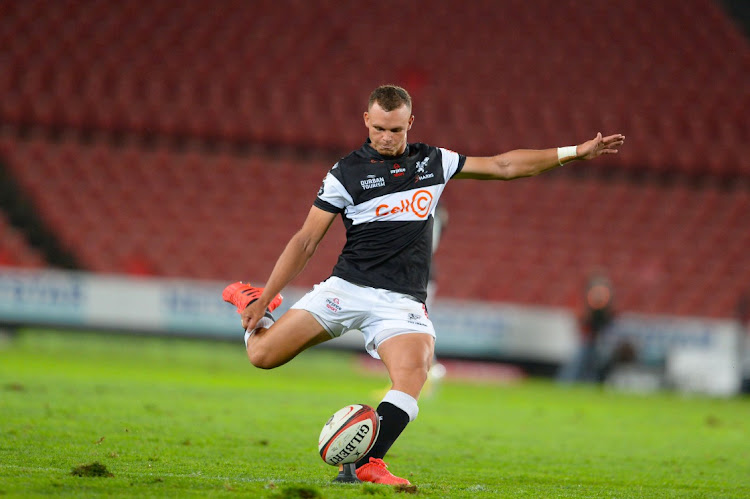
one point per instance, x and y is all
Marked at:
(388, 129)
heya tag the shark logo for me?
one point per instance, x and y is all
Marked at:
(421, 165)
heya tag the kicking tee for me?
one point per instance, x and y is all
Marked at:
(387, 205)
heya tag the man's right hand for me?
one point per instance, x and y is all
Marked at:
(252, 314)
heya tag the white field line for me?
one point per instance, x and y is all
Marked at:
(36, 469)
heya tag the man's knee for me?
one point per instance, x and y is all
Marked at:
(410, 380)
(264, 353)
(259, 354)
(261, 358)
(420, 374)
(296, 331)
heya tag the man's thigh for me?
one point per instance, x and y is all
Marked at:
(295, 331)
(407, 357)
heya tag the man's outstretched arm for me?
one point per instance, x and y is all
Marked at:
(529, 162)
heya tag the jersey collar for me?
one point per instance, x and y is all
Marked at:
(370, 153)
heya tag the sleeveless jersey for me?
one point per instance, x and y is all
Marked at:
(387, 206)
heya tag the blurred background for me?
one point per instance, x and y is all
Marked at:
(187, 140)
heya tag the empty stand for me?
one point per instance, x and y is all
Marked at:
(669, 249)
(169, 214)
(487, 76)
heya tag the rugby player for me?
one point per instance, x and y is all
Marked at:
(386, 193)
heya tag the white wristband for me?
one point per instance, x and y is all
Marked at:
(568, 152)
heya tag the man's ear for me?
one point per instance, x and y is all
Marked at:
(411, 120)
(366, 117)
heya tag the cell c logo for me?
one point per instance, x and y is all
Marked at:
(421, 203)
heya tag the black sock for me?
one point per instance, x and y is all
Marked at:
(392, 422)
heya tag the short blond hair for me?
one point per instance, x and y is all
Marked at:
(390, 97)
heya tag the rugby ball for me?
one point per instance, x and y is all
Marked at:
(349, 434)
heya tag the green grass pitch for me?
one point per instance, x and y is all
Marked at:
(189, 418)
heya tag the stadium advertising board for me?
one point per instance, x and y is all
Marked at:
(697, 354)
(193, 307)
(42, 297)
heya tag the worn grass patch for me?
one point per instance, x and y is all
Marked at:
(95, 469)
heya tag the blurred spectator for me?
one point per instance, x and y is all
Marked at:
(591, 363)
(439, 224)
(437, 370)
(742, 314)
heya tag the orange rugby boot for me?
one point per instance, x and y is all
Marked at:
(376, 471)
(241, 295)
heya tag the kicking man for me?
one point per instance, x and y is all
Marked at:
(386, 193)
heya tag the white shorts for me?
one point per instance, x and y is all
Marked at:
(340, 306)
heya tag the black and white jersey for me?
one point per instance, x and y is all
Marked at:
(387, 206)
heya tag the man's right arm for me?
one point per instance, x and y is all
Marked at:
(292, 261)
